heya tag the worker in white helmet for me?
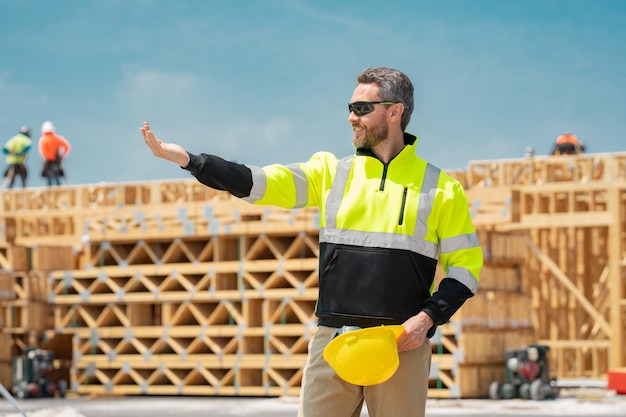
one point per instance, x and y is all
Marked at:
(53, 149)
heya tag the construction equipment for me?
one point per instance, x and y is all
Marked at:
(527, 376)
(32, 375)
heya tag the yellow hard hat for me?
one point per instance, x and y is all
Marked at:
(366, 356)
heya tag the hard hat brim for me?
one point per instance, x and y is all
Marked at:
(367, 356)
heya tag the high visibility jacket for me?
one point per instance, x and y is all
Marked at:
(383, 228)
(53, 146)
(16, 148)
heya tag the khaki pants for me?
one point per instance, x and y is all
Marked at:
(323, 393)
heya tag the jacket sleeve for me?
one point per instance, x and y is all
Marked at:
(461, 256)
(220, 174)
(445, 302)
(63, 143)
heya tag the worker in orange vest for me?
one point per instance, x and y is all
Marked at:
(568, 144)
(53, 148)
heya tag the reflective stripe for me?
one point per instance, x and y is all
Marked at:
(259, 184)
(335, 195)
(426, 199)
(379, 240)
(415, 243)
(464, 276)
(301, 184)
(459, 242)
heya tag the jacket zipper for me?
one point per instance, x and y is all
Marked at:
(383, 177)
(404, 193)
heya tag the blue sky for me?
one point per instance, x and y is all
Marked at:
(264, 81)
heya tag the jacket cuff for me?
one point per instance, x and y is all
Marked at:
(195, 164)
(435, 315)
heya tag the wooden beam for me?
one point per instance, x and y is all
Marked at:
(614, 245)
(582, 219)
(564, 279)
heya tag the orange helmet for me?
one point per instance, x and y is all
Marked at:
(567, 138)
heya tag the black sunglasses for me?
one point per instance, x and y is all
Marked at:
(361, 108)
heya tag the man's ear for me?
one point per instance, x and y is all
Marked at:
(396, 111)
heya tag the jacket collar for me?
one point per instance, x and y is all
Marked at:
(410, 141)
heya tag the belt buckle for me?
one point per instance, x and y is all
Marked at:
(344, 329)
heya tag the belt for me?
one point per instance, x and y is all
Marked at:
(344, 329)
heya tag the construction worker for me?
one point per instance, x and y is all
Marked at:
(16, 149)
(53, 148)
(568, 144)
(387, 219)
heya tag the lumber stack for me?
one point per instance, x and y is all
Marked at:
(498, 318)
(25, 311)
(7, 300)
(204, 297)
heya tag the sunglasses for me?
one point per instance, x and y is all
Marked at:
(361, 108)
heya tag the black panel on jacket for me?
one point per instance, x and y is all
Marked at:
(220, 174)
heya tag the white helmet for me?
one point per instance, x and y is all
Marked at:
(47, 127)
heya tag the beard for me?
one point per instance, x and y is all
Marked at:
(372, 136)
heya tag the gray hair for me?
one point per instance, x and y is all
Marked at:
(393, 85)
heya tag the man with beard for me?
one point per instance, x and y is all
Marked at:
(387, 217)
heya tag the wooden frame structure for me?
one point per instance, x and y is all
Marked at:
(572, 213)
(173, 288)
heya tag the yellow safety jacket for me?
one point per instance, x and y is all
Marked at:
(16, 148)
(383, 228)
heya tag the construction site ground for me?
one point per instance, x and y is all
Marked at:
(586, 402)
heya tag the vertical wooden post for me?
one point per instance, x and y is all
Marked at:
(616, 356)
